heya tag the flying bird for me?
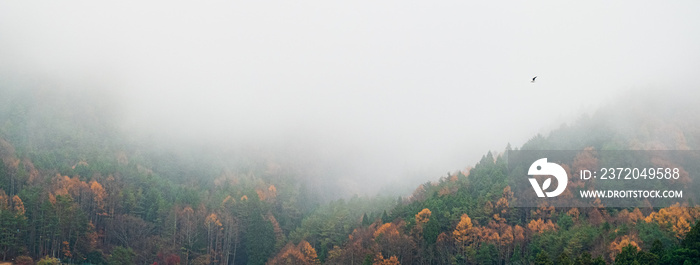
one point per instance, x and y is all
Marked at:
(533, 79)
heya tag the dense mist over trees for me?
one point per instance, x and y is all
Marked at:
(358, 132)
(393, 90)
(77, 186)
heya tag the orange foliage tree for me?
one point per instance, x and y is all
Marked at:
(18, 205)
(392, 242)
(421, 219)
(676, 217)
(423, 216)
(302, 254)
(380, 260)
(214, 236)
(387, 230)
(621, 242)
(539, 226)
(463, 232)
(4, 201)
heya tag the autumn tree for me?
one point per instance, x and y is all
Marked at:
(167, 259)
(380, 260)
(231, 226)
(423, 216)
(617, 246)
(422, 219)
(12, 222)
(302, 254)
(444, 248)
(506, 240)
(99, 195)
(18, 206)
(279, 234)
(463, 232)
(595, 217)
(538, 226)
(49, 261)
(518, 233)
(214, 236)
(543, 211)
(289, 254)
(308, 252)
(267, 194)
(24, 260)
(187, 230)
(627, 254)
(676, 217)
(387, 237)
(392, 242)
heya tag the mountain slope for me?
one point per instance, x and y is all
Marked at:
(75, 187)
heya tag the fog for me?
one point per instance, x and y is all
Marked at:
(373, 93)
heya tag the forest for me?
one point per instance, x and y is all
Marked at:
(74, 189)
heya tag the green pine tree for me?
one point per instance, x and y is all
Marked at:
(563, 259)
(584, 259)
(385, 217)
(542, 258)
(260, 238)
(365, 220)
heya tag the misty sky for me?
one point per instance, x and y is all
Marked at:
(385, 88)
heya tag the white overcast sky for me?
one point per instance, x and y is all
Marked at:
(393, 86)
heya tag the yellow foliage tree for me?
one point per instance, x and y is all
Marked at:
(380, 260)
(309, 252)
(621, 242)
(18, 205)
(4, 202)
(279, 234)
(289, 254)
(99, 194)
(539, 226)
(335, 253)
(388, 229)
(574, 213)
(423, 216)
(681, 227)
(507, 236)
(212, 221)
(267, 194)
(518, 233)
(302, 254)
(504, 202)
(463, 232)
(544, 211)
(66, 250)
(636, 215)
(676, 217)
(228, 202)
(272, 190)
(464, 228)
(261, 194)
(486, 234)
